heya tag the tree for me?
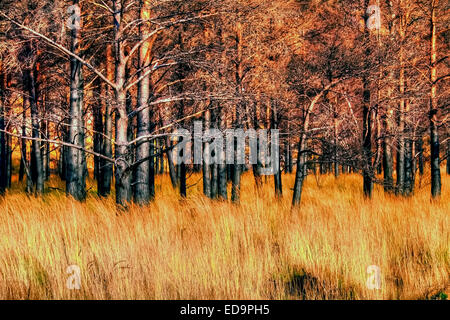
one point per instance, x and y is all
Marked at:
(434, 134)
(143, 190)
(75, 178)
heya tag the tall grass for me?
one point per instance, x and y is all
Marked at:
(196, 248)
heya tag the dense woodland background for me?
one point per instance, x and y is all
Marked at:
(107, 96)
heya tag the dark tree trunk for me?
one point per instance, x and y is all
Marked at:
(448, 156)
(222, 166)
(9, 164)
(408, 167)
(236, 183)
(434, 133)
(172, 169)
(400, 187)
(300, 172)
(214, 181)
(3, 137)
(335, 139)
(23, 142)
(97, 110)
(45, 133)
(183, 180)
(63, 151)
(161, 158)
(420, 155)
(388, 162)
(288, 160)
(277, 176)
(214, 166)
(367, 122)
(367, 144)
(151, 175)
(106, 167)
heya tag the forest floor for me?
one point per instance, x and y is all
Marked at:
(196, 248)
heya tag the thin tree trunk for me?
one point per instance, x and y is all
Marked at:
(258, 165)
(408, 166)
(97, 110)
(388, 163)
(448, 156)
(335, 142)
(367, 124)
(36, 145)
(301, 171)
(401, 119)
(3, 142)
(434, 133)
(420, 155)
(172, 169)
(222, 166)
(236, 179)
(63, 151)
(277, 176)
(23, 142)
(207, 154)
(152, 171)
(106, 168)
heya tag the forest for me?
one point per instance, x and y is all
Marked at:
(282, 145)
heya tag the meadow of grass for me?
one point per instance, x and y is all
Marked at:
(196, 248)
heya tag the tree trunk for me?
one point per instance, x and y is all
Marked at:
(408, 166)
(277, 176)
(122, 156)
(23, 142)
(367, 124)
(448, 156)
(142, 173)
(75, 178)
(3, 142)
(97, 111)
(36, 159)
(401, 117)
(106, 167)
(434, 133)
(122, 172)
(388, 162)
(63, 151)
(222, 166)
(172, 169)
(367, 141)
(420, 155)
(206, 158)
(301, 171)
(236, 179)
(161, 157)
(183, 179)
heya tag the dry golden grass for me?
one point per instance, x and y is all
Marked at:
(202, 249)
